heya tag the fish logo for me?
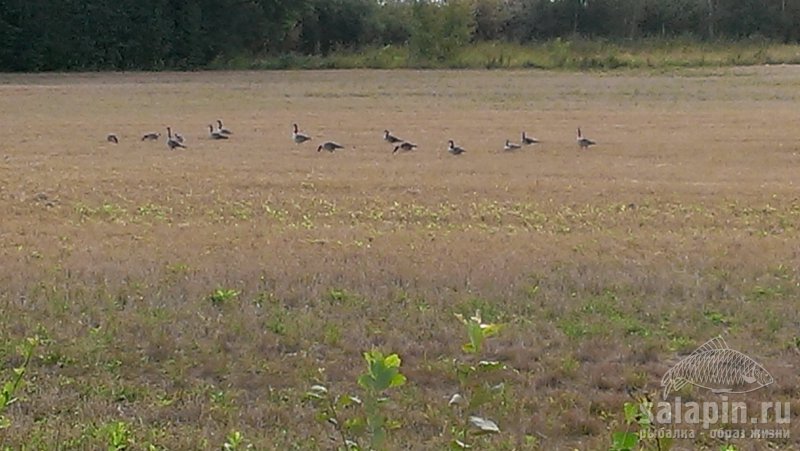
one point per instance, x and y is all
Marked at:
(716, 367)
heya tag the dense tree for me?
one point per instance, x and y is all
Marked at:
(40, 35)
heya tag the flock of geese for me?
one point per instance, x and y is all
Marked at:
(176, 140)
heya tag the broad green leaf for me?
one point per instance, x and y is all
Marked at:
(365, 381)
(355, 424)
(382, 371)
(631, 412)
(398, 380)
(392, 361)
(480, 396)
(484, 426)
(624, 441)
(490, 330)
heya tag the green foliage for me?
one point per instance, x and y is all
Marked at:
(640, 433)
(222, 296)
(383, 373)
(477, 332)
(118, 436)
(10, 387)
(439, 30)
(476, 390)
(235, 442)
(47, 35)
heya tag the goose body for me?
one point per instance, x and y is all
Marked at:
(151, 136)
(172, 143)
(222, 130)
(179, 138)
(298, 137)
(215, 134)
(330, 146)
(454, 149)
(405, 146)
(584, 142)
(112, 138)
(527, 140)
(388, 137)
(511, 146)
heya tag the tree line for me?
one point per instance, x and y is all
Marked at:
(47, 35)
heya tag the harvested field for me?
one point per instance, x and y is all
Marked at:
(605, 266)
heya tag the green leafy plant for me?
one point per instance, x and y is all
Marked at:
(383, 373)
(235, 441)
(222, 296)
(476, 389)
(640, 433)
(118, 435)
(10, 387)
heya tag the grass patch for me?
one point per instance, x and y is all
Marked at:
(558, 54)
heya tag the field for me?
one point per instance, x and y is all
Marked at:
(180, 297)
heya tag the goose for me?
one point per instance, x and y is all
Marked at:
(215, 134)
(391, 138)
(405, 146)
(151, 136)
(172, 143)
(511, 146)
(330, 146)
(526, 140)
(179, 138)
(112, 138)
(298, 137)
(454, 149)
(223, 130)
(584, 143)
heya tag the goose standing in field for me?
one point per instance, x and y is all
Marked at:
(330, 146)
(511, 146)
(404, 146)
(298, 137)
(391, 139)
(222, 130)
(454, 149)
(584, 142)
(527, 140)
(215, 134)
(151, 136)
(172, 143)
(112, 138)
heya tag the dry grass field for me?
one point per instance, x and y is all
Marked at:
(606, 266)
